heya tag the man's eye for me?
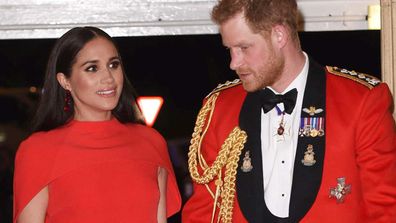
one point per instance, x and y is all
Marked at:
(91, 69)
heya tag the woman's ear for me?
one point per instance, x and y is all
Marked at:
(63, 81)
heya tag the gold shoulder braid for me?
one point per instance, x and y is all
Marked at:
(228, 157)
(226, 85)
(365, 79)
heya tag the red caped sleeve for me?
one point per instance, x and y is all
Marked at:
(33, 165)
(173, 199)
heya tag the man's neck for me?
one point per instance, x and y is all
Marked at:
(294, 63)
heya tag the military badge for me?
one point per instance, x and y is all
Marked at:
(309, 156)
(312, 110)
(340, 191)
(247, 163)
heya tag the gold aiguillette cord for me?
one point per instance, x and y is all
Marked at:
(227, 157)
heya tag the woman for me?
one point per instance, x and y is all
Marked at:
(90, 159)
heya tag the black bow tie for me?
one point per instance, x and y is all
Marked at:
(269, 99)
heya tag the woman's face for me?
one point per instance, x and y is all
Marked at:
(96, 81)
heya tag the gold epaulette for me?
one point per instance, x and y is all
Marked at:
(226, 85)
(365, 79)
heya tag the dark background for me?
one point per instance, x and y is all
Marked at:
(182, 69)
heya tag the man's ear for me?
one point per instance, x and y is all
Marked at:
(63, 81)
(280, 35)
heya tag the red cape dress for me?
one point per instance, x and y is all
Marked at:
(95, 172)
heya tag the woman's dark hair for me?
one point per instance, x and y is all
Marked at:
(50, 113)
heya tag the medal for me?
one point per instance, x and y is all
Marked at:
(321, 131)
(281, 128)
(314, 133)
(305, 127)
(311, 127)
(340, 191)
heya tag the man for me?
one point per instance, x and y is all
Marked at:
(291, 141)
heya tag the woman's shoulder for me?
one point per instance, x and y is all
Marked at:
(149, 135)
(145, 131)
(40, 143)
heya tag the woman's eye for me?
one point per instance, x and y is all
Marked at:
(114, 64)
(91, 69)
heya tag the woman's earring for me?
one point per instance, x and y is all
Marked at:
(68, 101)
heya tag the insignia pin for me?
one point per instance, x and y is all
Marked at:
(247, 163)
(309, 156)
(341, 190)
(312, 110)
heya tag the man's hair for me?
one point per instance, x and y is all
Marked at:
(260, 15)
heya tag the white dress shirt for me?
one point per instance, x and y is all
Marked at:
(279, 150)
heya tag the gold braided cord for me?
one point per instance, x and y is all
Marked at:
(228, 192)
(201, 159)
(194, 151)
(227, 158)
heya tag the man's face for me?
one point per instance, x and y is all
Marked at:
(255, 57)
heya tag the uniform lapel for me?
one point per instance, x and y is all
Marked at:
(308, 167)
(250, 191)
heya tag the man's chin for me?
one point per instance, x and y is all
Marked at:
(250, 87)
